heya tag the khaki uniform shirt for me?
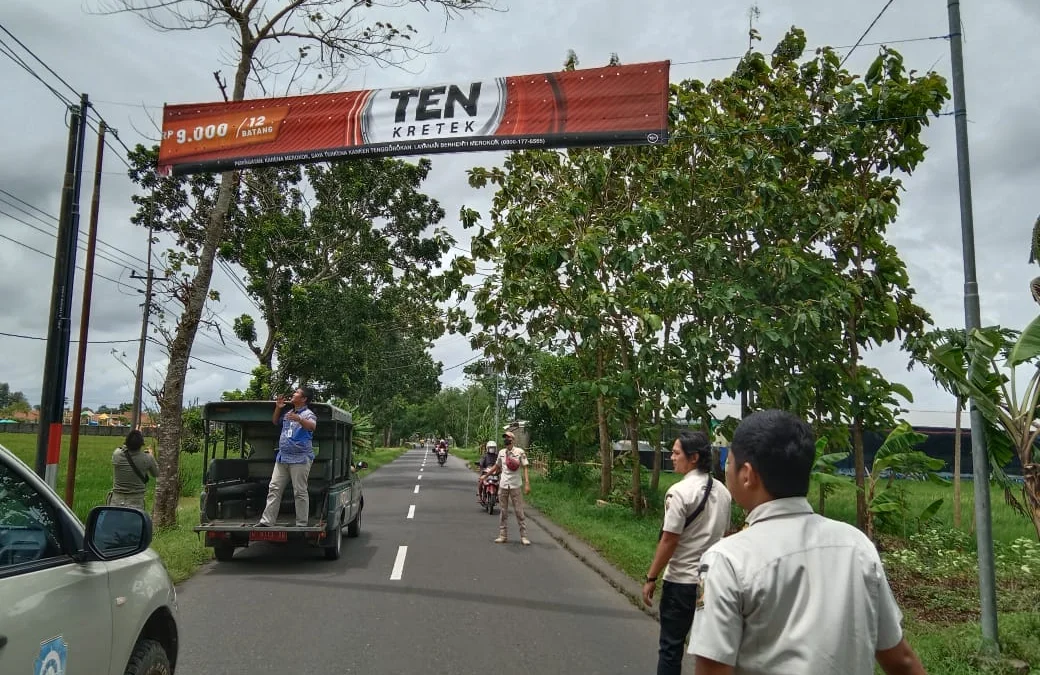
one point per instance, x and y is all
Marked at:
(511, 479)
(794, 593)
(679, 503)
(124, 480)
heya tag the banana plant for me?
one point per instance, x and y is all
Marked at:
(825, 472)
(885, 501)
(991, 381)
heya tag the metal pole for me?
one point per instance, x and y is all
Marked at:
(84, 319)
(465, 442)
(135, 415)
(56, 359)
(972, 320)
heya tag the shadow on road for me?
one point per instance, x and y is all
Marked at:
(484, 599)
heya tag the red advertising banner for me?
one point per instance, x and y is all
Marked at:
(622, 105)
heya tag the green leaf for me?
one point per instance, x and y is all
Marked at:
(929, 511)
(1027, 347)
(902, 391)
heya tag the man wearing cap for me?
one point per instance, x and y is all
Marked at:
(512, 464)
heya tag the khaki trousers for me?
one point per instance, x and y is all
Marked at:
(282, 474)
(514, 496)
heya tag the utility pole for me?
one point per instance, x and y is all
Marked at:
(56, 359)
(84, 319)
(135, 415)
(972, 320)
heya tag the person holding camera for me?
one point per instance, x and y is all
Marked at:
(512, 464)
(131, 467)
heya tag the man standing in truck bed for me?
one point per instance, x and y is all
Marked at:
(295, 455)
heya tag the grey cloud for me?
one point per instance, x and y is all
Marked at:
(118, 60)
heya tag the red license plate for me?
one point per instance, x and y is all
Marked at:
(268, 535)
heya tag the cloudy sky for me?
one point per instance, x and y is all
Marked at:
(130, 71)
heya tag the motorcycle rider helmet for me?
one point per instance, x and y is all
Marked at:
(491, 447)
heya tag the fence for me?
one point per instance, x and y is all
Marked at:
(84, 430)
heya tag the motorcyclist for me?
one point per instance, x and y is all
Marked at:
(486, 462)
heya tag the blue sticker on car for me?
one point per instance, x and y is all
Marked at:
(54, 654)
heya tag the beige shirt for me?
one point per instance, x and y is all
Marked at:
(511, 479)
(679, 503)
(794, 593)
(124, 480)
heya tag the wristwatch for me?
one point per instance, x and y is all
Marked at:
(649, 579)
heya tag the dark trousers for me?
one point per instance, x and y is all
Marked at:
(678, 603)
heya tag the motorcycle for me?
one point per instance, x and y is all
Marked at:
(489, 492)
(442, 456)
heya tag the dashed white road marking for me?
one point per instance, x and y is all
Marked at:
(420, 477)
(411, 511)
(398, 570)
(416, 490)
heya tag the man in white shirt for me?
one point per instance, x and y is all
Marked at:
(696, 515)
(794, 592)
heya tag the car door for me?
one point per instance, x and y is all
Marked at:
(55, 614)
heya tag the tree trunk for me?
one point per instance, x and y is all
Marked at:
(745, 407)
(1031, 474)
(606, 456)
(823, 500)
(655, 476)
(167, 484)
(637, 482)
(957, 467)
(862, 515)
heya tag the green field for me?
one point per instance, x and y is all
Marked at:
(181, 548)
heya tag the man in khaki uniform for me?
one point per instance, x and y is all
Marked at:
(512, 463)
(696, 515)
(794, 592)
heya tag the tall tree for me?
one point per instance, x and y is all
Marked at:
(328, 36)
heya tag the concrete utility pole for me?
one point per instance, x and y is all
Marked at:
(135, 415)
(59, 330)
(84, 318)
(972, 320)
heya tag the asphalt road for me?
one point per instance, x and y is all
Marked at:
(451, 602)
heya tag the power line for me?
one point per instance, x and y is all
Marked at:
(81, 246)
(89, 342)
(130, 256)
(862, 44)
(872, 23)
(41, 61)
(51, 256)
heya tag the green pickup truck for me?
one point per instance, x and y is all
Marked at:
(238, 459)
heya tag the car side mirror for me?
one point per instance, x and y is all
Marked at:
(115, 532)
(362, 465)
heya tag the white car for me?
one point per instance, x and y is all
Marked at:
(95, 601)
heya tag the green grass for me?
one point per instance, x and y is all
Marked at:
(952, 649)
(377, 457)
(470, 455)
(181, 549)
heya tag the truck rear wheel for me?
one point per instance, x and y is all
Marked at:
(333, 552)
(224, 552)
(354, 526)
